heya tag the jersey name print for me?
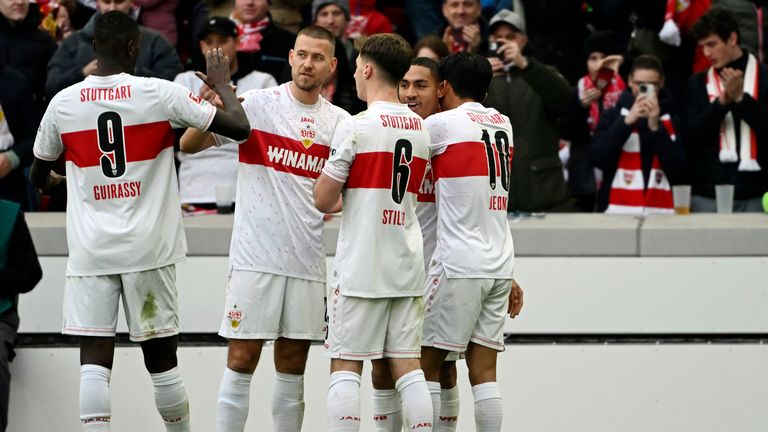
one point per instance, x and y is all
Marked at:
(381, 156)
(471, 164)
(116, 134)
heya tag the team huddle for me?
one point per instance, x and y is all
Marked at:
(424, 263)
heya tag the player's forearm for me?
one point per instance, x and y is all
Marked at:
(39, 173)
(327, 193)
(195, 141)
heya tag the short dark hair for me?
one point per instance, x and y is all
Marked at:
(426, 62)
(468, 74)
(114, 29)
(433, 42)
(391, 53)
(647, 62)
(718, 21)
(317, 32)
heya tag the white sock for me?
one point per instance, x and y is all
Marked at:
(343, 402)
(488, 409)
(288, 403)
(387, 412)
(95, 405)
(434, 393)
(171, 400)
(234, 396)
(449, 410)
(416, 401)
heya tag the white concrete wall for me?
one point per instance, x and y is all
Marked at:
(562, 388)
(547, 388)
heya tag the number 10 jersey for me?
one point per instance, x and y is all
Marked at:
(471, 154)
(123, 211)
(381, 156)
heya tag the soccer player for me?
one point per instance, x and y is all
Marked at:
(378, 159)
(123, 217)
(470, 288)
(277, 259)
(419, 89)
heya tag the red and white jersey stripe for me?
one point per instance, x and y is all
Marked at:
(471, 162)
(381, 156)
(426, 212)
(116, 132)
(277, 228)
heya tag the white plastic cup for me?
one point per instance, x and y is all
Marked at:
(681, 197)
(225, 198)
(724, 198)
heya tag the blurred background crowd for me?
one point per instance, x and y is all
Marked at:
(612, 102)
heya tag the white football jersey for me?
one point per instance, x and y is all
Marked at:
(199, 173)
(381, 155)
(471, 153)
(277, 228)
(116, 132)
(426, 212)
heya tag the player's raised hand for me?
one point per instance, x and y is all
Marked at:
(217, 70)
(515, 300)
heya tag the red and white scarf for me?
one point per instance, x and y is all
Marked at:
(610, 97)
(250, 34)
(630, 194)
(747, 155)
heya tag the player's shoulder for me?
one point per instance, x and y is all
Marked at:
(263, 95)
(336, 112)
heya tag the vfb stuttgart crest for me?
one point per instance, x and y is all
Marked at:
(235, 317)
(628, 177)
(306, 134)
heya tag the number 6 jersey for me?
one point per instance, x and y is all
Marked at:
(123, 211)
(471, 153)
(381, 155)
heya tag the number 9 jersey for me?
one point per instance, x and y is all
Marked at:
(381, 156)
(116, 132)
(471, 162)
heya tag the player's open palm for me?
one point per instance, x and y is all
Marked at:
(217, 68)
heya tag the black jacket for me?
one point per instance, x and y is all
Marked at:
(27, 49)
(574, 128)
(17, 104)
(22, 270)
(703, 120)
(273, 56)
(533, 99)
(612, 133)
(157, 58)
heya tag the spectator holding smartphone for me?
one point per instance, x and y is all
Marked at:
(595, 92)
(638, 145)
(533, 95)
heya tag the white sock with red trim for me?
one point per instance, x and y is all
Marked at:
(171, 400)
(449, 410)
(416, 401)
(234, 396)
(387, 412)
(343, 403)
(95, 404)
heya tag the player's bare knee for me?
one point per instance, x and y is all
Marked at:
(97, 350)
(243, 356)
(291, 355)
(381, 375)
(448, 375)
(160, 354)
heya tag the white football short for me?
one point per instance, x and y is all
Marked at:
(373, 328)
(149, 300)
(269, 306)
(459, 311)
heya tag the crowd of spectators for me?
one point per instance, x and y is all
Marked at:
(572, 76)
